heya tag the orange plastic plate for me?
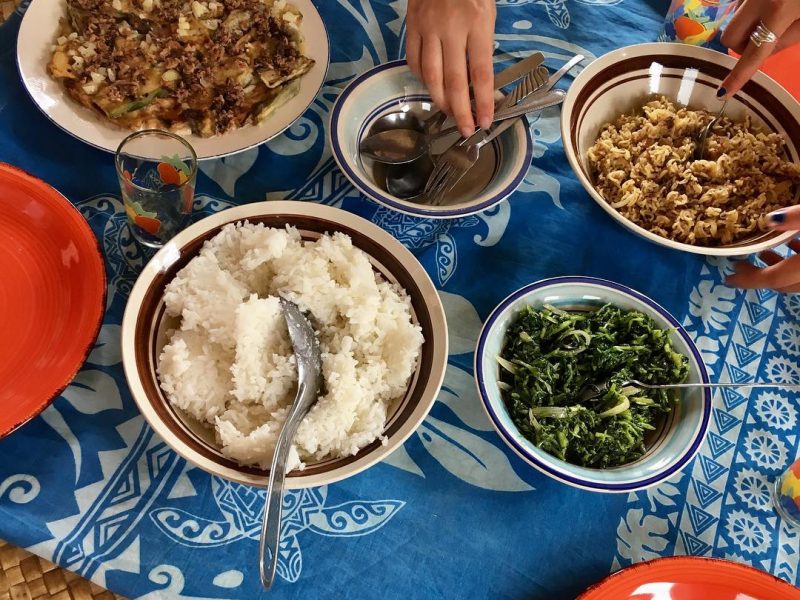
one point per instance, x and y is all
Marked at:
(782, 67)
(691, 578)
(52, 295)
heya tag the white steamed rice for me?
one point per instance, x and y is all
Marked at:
(230, 364)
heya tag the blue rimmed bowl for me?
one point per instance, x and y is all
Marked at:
(671, 448)
(391, 87)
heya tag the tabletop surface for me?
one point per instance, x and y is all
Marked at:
(453, 513)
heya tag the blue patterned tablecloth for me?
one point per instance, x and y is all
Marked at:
(453, 513)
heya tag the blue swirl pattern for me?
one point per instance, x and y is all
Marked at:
(453, 513)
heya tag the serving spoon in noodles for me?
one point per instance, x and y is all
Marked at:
(700, 146)
(309, 381)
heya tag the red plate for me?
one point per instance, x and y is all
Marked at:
(691, 578)
(52, 295)
(782, 67)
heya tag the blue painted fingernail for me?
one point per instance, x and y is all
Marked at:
(721, 92)
(777, 218)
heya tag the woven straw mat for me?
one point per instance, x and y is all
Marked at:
(24, 576)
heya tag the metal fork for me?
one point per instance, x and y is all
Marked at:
(533, 81)
(449, 164)
(454, 163)
(700, 148)
(538, 99)
(459, 159)
(591, 391)
(565, 68)
(541, 88)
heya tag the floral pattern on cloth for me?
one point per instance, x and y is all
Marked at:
(453, 511)
(722, 504)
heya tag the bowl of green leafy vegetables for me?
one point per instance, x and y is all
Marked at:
(554, 368)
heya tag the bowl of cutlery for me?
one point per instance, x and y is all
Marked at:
(396, 148)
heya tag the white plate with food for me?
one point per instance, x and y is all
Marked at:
(226, 79)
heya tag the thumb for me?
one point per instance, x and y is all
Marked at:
(785, 219)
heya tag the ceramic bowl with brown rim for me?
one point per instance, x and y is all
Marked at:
(145, 326)
(620, 81)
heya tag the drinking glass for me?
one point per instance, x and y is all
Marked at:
(157, 171)
(695, 21)
(786, 495)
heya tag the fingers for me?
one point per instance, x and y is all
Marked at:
(456, 84)
(770, 257)
(787, 219)
(755, 11)
(413, 48)
(480, 47)
(783, 275)
(752, 58)
(413, 40)
(441, 35)
(792, 289)
(790, 37)
(746, 276)
(737, 34)
(431, 66)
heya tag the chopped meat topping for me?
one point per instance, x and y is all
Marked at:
(205, 58)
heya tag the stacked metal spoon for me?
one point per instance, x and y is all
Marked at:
(403, 142)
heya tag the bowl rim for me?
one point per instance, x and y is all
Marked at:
(170, 253)
(404, 206)
(661, 49)
(542, 465)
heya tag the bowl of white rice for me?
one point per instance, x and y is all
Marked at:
(209, 362)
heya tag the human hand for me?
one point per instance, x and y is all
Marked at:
(781, 17)
(441, 34)
(780, 274)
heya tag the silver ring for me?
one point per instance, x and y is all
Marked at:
(762, 35)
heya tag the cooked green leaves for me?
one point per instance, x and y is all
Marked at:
(551, 354)
(134, 105)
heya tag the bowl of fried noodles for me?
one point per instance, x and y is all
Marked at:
(631, 124)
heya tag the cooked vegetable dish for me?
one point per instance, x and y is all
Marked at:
(202, 67)
(550, 355)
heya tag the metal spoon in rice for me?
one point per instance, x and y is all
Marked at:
(309, 381)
